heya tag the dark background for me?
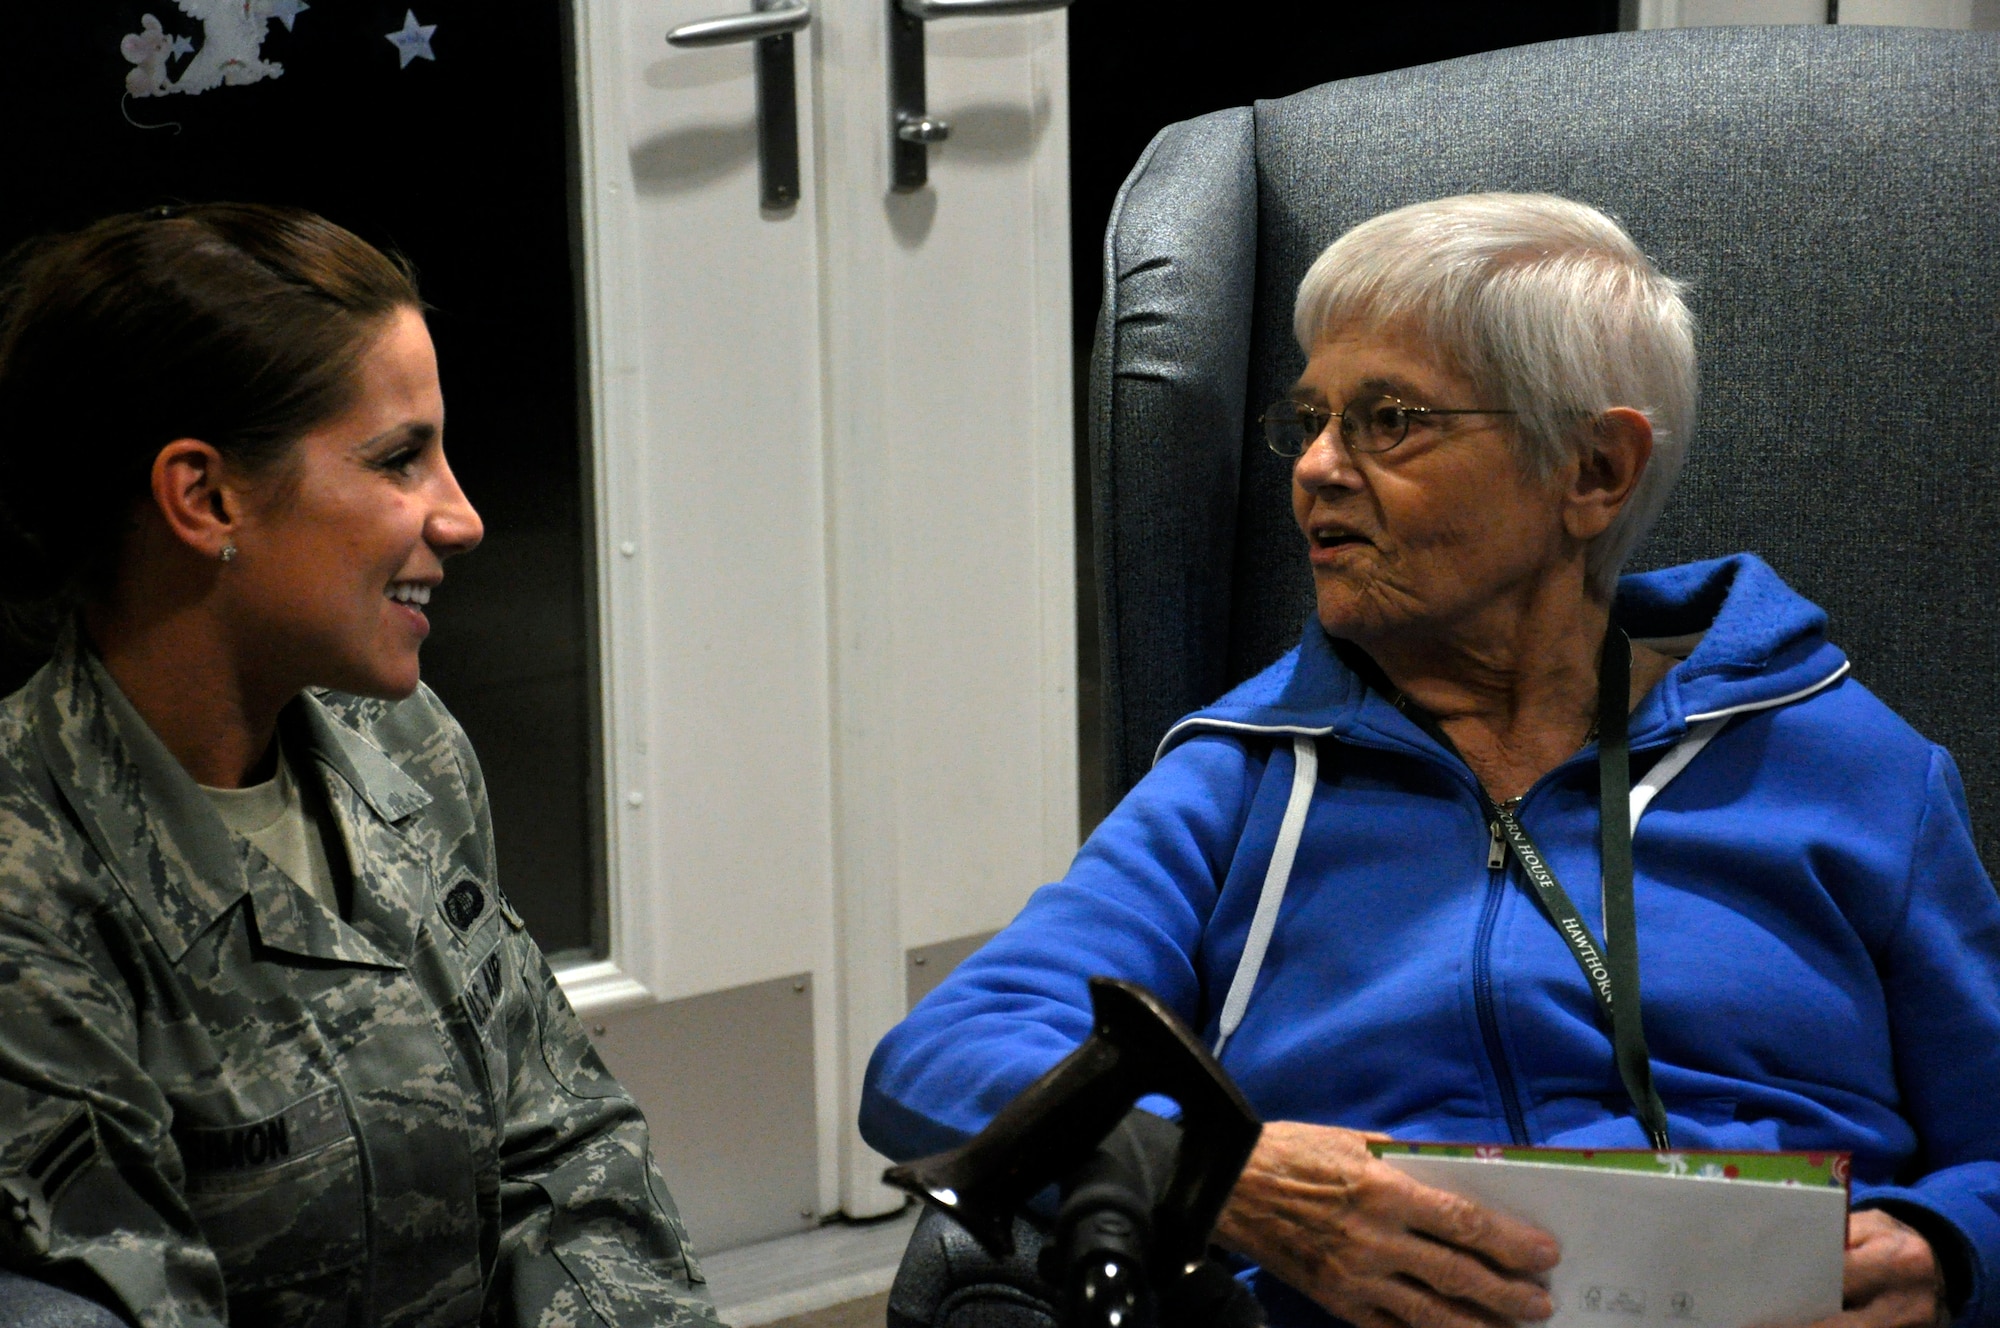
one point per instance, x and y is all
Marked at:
(1136, 67)
(462, 164)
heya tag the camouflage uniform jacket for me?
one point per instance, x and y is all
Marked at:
(223, 1102)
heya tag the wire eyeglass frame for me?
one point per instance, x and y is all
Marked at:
(1291, 427)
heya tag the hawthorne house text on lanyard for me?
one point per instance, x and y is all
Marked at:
(1613, 977)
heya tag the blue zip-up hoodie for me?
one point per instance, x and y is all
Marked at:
(1819, 945)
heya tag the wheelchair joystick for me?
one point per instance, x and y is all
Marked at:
(1131, 1243)
(1111, 1293)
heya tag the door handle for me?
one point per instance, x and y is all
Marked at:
(911, 128)
(977, 8)
(770, 24)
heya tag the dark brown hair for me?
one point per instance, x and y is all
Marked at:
(237, 324)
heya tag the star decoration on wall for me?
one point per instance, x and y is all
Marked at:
(181, 46)
(414, 41)
(286, 11)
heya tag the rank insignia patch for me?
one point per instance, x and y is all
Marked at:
(25, 1200)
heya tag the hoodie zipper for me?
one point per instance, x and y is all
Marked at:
(1482, 985)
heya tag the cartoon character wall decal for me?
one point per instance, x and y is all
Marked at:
(149, 49)
(232, 43)
(231, 51)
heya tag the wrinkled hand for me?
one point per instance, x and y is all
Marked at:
(1377, 1248)
(1890, 1278)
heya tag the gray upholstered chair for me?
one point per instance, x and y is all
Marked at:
(1833, 194)
(26, 1303)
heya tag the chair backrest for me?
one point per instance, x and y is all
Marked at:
(1833, 195)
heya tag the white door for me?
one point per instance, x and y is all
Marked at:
(833, 456)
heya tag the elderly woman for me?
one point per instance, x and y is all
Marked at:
(1402, 877)
(273, 1048)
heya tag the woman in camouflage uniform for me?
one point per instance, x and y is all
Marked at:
(273, 1047)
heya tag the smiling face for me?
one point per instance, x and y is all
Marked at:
(341, 544)
(1424, 539)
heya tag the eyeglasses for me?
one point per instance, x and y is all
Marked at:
(1367, 424)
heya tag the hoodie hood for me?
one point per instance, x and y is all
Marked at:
(1750, 642)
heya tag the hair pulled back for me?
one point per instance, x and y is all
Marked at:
(240, 325)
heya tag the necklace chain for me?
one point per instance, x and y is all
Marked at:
(1403, 703)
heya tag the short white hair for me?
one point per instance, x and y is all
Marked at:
(1548, 307)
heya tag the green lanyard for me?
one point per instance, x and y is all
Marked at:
(1613, 977)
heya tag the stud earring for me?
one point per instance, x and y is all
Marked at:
(229, 553)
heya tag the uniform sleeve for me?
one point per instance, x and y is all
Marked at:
(1941, 975)
(588, 1233)
(587, 1224)
(88, 1196)
(1134, 905)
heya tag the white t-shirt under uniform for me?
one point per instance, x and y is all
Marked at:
(274, 817)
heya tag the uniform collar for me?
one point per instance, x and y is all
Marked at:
(176, 861)
(372, 801)
(363, 766)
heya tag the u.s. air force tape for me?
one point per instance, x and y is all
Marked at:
(304, 1127)
(484, 989)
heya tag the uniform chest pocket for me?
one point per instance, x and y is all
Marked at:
(279, 1199)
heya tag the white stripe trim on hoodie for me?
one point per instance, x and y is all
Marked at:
(1305, 775)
